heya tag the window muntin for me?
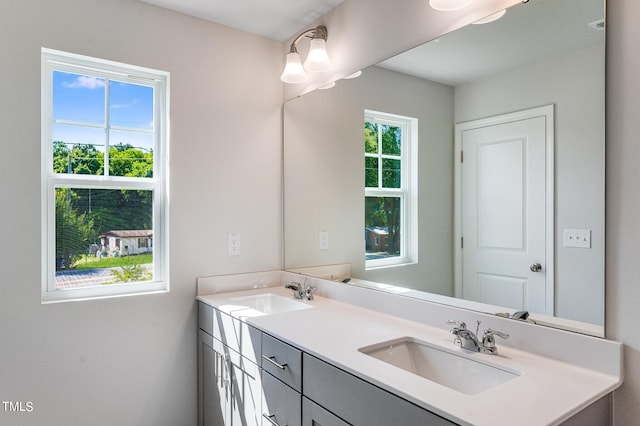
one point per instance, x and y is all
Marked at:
(104, 141)
(390, 188)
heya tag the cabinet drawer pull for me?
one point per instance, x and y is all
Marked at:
(270, 419)
(272, 360)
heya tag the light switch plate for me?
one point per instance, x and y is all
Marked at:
(580, 238)
(323, 240)
(233, 245)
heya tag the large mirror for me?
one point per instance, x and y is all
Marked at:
(482, 153)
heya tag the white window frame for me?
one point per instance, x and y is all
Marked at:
(54, 60)
(408, 191)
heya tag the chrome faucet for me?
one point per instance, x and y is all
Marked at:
(301, 290)
(467, 339)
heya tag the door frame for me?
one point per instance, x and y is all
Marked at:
(547, 112)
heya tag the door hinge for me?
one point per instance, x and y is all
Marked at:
(462, 156)
(461, 242)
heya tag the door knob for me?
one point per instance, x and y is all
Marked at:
(536, 267)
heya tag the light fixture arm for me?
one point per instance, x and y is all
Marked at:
(318, 32)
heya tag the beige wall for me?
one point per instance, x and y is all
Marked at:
(623, 200)
(132, 360)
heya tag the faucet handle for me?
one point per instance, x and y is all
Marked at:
(489, 340)
(489, 332)
(308, 291)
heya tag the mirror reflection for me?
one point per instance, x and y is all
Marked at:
(469, 167)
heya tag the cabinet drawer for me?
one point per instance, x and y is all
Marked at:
(282, 361)
(359, 402)
(281, 404)
(315, 415)
(205, 317)
(239, 336)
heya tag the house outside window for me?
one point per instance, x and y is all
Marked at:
(104, 185)
(390, 150)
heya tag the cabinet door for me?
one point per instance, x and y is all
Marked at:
(212, 405)
(246, 395)
(315, 415)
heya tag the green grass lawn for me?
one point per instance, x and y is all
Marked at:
(91, 262)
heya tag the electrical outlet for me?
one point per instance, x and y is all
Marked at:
(233, 245)
(323, 240)
(580, 238)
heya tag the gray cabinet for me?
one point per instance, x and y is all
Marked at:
(281, 405)
(315, 415)
(282, 383)
(359, 402)
(282, 361)
(229, 382)
(245, 397)
(212, 405)
(249, 378)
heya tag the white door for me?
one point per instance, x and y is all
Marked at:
(504, 211)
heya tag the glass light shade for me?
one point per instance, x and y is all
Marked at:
(327, 86)
(448, 5)
(491, 18)
(354, 75)
(317, 59)
(293, 72)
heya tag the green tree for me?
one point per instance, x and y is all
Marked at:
(85, 159)
(82, 214)
(384, 212)
(74, 231)
(61, 157)
(125, 160)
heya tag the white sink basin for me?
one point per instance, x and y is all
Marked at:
(447, 368)
(262, 304)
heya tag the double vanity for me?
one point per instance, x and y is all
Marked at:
(351, 355)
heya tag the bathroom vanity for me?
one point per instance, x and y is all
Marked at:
(355, 356)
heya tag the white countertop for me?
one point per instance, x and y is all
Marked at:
(547, 391)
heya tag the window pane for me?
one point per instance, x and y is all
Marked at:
(370, 137)
(391, 140)
(130, 105)
(371, 172)
(391, 173)
(78, 149)
(130, 154)
(78, 98)
(103, 236)
(382, 227)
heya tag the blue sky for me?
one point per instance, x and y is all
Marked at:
(80, 98)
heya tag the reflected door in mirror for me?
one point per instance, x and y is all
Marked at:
(503, 210)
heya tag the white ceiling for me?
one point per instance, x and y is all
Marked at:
(274, 19)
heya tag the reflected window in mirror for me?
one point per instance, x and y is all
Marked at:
(390, 188)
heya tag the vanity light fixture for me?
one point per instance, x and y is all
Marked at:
(317, 58)
(449, 5)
